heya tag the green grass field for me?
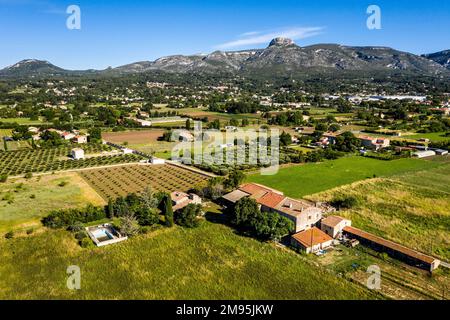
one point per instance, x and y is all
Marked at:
(411, 208)
(15, 145)
(209, 262)
(5, 132)
(21, 121)
(434, 136)
(300, 180)
(24, 202)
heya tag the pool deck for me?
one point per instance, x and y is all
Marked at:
(116, 236)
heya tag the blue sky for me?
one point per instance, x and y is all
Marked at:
(116, 32)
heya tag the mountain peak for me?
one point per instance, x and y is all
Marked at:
(29, 62)
(442, 57)
(31, 67)
(281, 42)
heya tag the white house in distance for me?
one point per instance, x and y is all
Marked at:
(33, 130)
(231, 128)
(79, 139)
(127, 151)
(181, 199)
(375, 143)
(77, 153)
(185, 135)
(156, 161)
(67, 135)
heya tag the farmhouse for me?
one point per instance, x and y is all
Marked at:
(331, 136)
(181, 199)
(333, 225)
(311, 240)
(323, 142)
(302, 213)
(375, 143)
(77, 154)
(80, 139)
(67, 135)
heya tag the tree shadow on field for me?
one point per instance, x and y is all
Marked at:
(225, 219)
(220, 218)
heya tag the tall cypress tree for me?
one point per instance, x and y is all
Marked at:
(168, 211)
(110, 208)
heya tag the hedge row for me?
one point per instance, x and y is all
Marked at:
(65, 218)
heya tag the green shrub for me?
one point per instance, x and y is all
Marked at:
(28, 175)
(76, 227)
(66, 218)
(86, 243)
(9, 198)
(63, 183)
(383, 256)
(9, 235)
(81, 235)
(144, 229)
(3, 178)
(188, 217)
(30, 231)
(345, 202)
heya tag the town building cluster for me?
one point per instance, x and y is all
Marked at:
(74, 136)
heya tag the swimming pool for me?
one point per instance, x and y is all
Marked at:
(102, 234)
(105, 234)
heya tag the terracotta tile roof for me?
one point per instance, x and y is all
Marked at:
(253, 188)
(391, 245)
(271, 199)
(263, 195)
(317, 236)
(259, 194)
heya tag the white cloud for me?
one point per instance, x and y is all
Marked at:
(251, 33)
(258, 37)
